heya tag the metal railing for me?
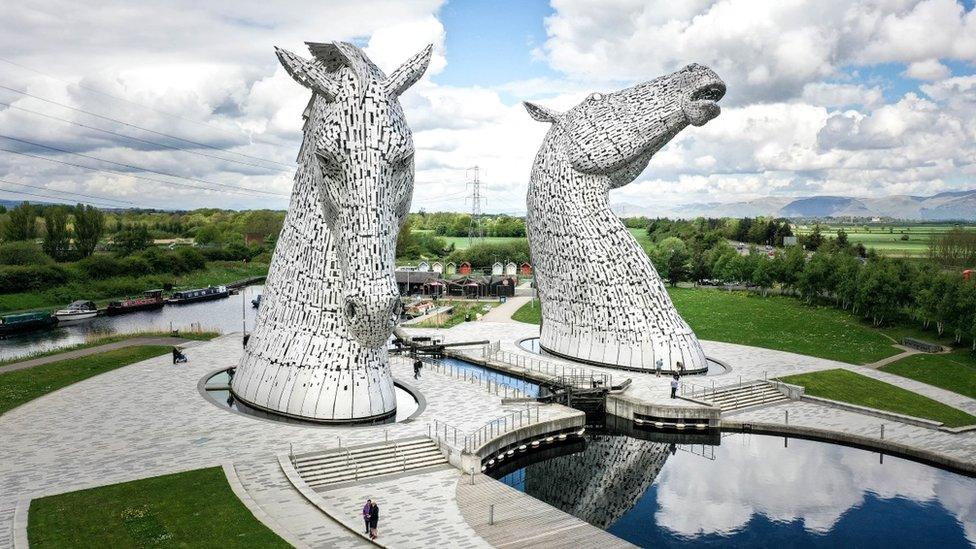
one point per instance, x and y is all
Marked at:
(557, 370)
(445, 433)
(480, 379)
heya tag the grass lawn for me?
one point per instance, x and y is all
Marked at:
(190, 509)
(530, 313)
(847, 386)
(461, 242)
(457, 315)
(103, 291)
(775, 322)
(110, 338)
(21, 386)
(955, 371)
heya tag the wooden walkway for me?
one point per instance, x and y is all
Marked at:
(523, 521)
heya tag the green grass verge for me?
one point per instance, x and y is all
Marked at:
(530, 313)
(103, 291)
(955, 371)
(108, 338)
(190, 509)
(775, 322)
(457, 315)
(846, 386)
(461, 242)
(21, 386)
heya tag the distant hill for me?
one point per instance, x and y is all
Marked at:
(956, 205)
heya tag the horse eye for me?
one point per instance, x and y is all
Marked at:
(405, 161)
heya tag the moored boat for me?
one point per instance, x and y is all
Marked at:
(76, 312)
(201, 294)
(25, 322)
(151, 299)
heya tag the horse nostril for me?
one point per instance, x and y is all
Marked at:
(350, 310)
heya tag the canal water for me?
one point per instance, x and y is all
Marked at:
(752, 491)
(223, 315)
(529, 388)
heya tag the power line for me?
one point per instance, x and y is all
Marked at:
(130, 166)
(69, 192)
(49, 197)
(137, 104)
(122, 174)
(156, 143)
(117, 121)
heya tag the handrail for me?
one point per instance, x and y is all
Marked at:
(473, 378)
(558, 370)
(477, 438)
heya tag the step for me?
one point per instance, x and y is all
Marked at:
(748, 398)
(376, 469)
(379, 454)
(392, 460)
(360, 450)
(345, 476)
(749, 404)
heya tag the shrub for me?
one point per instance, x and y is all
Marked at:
(22, 278)
(192, 260)
(99, 267)
(23, 253)
(134, 266)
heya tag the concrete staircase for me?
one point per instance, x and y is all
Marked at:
(371, 460)
(748, 395)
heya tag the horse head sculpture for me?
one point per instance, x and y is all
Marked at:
(616, 134)
(602, 300)
(363, 154)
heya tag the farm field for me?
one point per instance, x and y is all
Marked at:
(886, 239)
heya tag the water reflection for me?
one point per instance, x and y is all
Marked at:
(753, 491)
(223, 315)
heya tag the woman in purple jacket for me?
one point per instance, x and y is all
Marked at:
(366, 512)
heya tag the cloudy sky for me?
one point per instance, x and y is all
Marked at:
(824, 97)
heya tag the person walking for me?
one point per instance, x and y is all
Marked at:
(374, 519)
(658, 365)
(366, 513)
(674, 386)
(176, 354)
(417, 365)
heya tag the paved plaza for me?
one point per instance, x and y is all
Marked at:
(149, 419)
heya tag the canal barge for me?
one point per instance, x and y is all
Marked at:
(76, 312)
(201, 294)
(150, 300)
(25, 322)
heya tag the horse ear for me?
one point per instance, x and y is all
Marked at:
(541, 113)
(308, 73)
(409, 72)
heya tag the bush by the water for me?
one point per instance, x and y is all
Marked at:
(23, 253)
(23, 278)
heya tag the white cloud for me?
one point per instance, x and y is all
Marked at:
(930, 69)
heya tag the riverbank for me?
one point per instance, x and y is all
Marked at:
(101, 292)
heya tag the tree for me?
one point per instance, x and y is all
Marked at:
(842, 241)
(814, 240)
(57, 238)
(762, 273)
(22, 223)
(132, 239)
(671, 257)
(89, 226)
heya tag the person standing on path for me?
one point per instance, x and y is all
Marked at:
(658, 366)
(417, 365)
(674, 386)
(374, 519)
(366, 509)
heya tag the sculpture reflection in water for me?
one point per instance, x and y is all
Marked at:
(749, 489)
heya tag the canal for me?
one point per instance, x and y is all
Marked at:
(222, 315)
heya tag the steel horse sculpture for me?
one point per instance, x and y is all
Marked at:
(331, 301)
(602, 300)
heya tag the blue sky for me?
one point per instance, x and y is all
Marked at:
(825, 97)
